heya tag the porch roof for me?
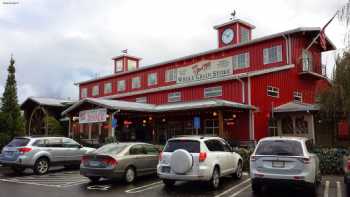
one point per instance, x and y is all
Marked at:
(47, 102)
(296, 107)
(179, 106)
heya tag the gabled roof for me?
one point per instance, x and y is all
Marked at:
(296, 107)
(53, 102)
(253, 41)
(141, 107)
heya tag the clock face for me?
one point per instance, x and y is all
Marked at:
(227, 36)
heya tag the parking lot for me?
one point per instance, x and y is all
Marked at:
(66, 183)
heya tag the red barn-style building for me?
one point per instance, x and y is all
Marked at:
(245, 89)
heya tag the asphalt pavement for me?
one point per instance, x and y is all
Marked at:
(69, 183)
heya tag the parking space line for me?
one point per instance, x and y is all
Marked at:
(144, 188)
(339, 193)
(31, 183)
(240, 191)
(326, 189)
(232, 188)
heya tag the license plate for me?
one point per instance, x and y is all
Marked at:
(94, 163)
(278, 164)
(166, 169)
(8, 154)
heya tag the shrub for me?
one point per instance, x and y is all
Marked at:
(245, 154)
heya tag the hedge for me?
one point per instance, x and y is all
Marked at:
(331, 159)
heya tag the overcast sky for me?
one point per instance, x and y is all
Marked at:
(58, 42)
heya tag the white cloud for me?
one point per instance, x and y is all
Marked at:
(57, 43)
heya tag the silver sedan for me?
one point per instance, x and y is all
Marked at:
(120, 160)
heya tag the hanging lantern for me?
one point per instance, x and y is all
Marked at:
(144, 121)
(214, 113)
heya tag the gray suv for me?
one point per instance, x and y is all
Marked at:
(39, 153)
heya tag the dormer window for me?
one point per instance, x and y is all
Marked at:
(244, 35)
(119, 66)
(132, 65)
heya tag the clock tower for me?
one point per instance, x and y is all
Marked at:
(234, 32)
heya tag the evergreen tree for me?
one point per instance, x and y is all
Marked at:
(12, 122)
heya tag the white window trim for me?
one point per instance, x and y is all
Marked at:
(148, 79)
(116, 66)
(212, 127)
(241, 34)
(266, 51)
(141, 99)
(132, 82)
(274, 90)
(235, 61)
(83, 93)
(297, 94)
(121, 81)
(133, 62)
(212, 89)
(174, 97)
(105, 89)
(97, 92)
(168, 72)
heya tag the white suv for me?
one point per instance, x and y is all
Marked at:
(284, 160)
(196, 158)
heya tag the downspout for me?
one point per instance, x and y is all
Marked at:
(287, 47)
(243, 92)
(251, 113)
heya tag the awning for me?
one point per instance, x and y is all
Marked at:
(296, 107)
(141, 107)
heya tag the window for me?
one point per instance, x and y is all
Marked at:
(111, 149)
(241, 61)
(211, 126)
(170, 75)
(151, 150)
(121, 86)
(141, 100)
(95, 90)
(108, 88)
(174, 97)
(280, 147)
(215, 145)
(273, 54)
(152, 79)
(273, 91)
(119, 66)
(137, 150)
(83, 93)
(189, 145)
(69, 143)
(244, 34)
(54, 142)
(287, 125)
(307, 61)
(136, 83)
(213, 91)
(301, 125)
(297, 97)
(132, 65)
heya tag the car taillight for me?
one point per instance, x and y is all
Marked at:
(84, 159)
(202, 156)
(348, 165)
(24, 150)
(109, 161)
(160, 156)
(306, 160)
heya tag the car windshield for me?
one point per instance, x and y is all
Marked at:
(280, 147)
(189, 145)
(111, 149)
(18, 142)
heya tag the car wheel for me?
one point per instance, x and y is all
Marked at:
(215, 179)
(94, 179)
(168, 183)
(18, 169)
(239, 171)
(256, 188)
(41, 166)
(130, 175)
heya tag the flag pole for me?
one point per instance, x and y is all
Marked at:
(318, 35)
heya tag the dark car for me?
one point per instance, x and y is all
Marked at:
(120, 160)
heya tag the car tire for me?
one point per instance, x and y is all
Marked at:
(169, 183)
(256, 188)
(215, 179)
(94, 179)
(41, 166)
(130, 175)
(18, 169)
(239, 170)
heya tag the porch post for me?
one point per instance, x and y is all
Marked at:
(221, 124)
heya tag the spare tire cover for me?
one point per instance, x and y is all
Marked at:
(181, 161)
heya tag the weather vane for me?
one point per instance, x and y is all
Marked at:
(125, 51)
(233, 15)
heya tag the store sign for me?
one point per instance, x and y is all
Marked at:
(205, 70)
(92, 116)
